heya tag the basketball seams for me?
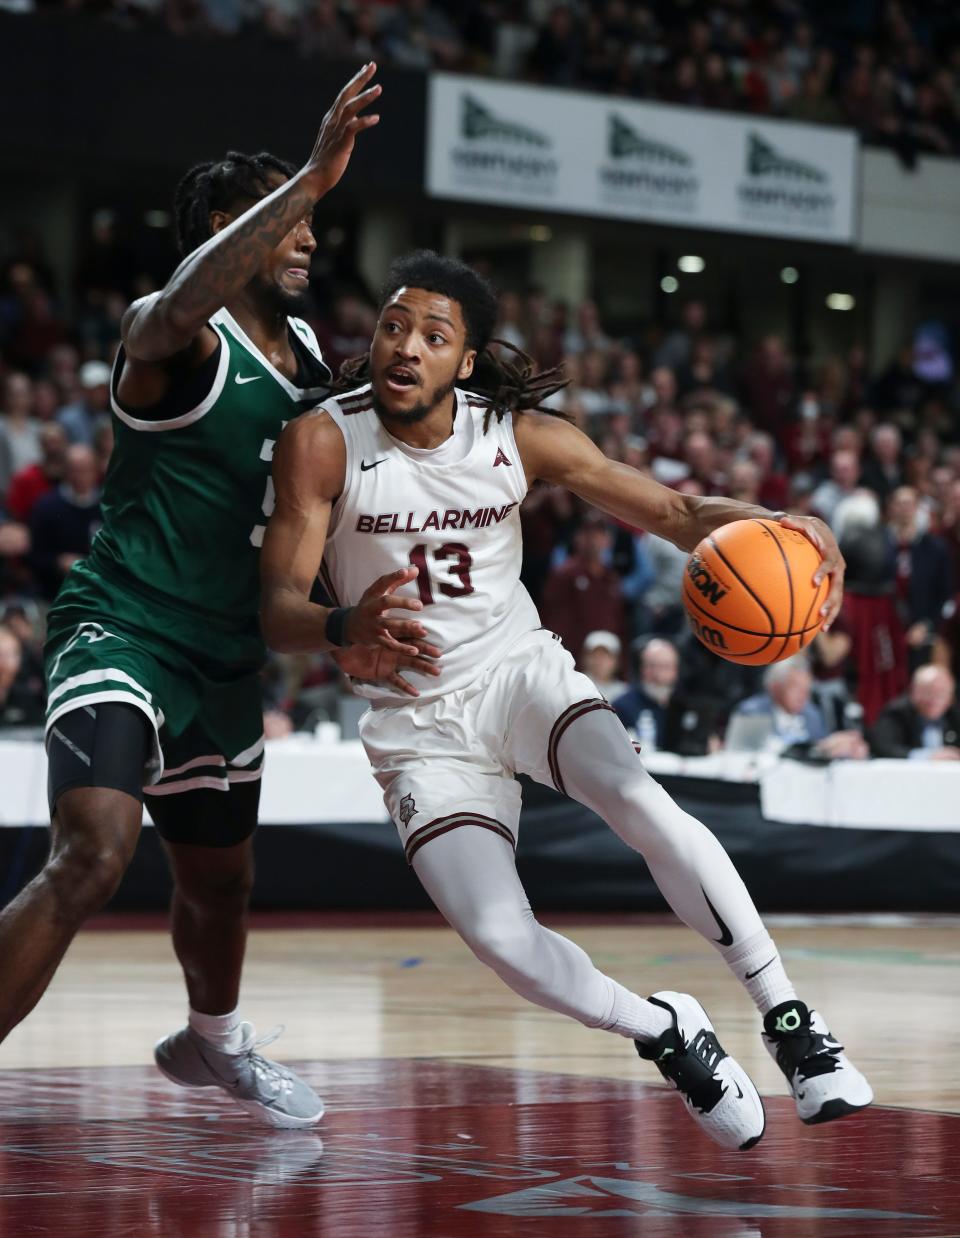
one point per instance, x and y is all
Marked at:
(770, 636)
(779, 640)
(771, 532)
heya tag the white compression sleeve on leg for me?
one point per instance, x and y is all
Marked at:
(693, 872)
(471, 876)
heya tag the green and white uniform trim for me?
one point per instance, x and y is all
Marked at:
(162, 615)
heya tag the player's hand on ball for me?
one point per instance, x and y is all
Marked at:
(342, 123)
(833, 565)
(369, 624)
(383, 665)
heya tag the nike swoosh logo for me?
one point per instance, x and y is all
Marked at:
(726, 937)
(251, 379)
(750, 974)
(739, 1093)
(365, 468)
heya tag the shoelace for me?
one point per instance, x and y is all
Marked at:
(807, 1053)
(692, 1070)
(271, 1074)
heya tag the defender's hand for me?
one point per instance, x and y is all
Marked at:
(368, 623)
(833, 565)
(342, 123)
(383, 665)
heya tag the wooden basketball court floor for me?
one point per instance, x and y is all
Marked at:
(454, 1109)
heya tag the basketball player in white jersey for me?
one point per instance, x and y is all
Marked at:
(414, 470)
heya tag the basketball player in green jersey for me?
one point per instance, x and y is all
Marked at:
(153, 644)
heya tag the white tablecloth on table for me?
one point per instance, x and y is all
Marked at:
(306, 780)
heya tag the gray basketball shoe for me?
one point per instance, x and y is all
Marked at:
(269, 1092)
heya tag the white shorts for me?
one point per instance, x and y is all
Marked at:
(451, 761)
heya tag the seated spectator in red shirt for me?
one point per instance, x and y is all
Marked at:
(768, 385)
(65, 521)
(924, 724)
(585, 593)
(774, 486)
(878, 650)
(33, 482)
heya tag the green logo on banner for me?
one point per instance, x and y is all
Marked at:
(624, 142)
(478, 121)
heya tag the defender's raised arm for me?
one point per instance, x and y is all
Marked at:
(165, 322)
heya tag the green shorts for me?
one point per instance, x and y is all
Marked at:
(207, 715)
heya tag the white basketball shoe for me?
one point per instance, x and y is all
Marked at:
(717, 1091)
(823, 1081)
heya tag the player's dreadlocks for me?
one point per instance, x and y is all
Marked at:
(221, 186)
(510, 384)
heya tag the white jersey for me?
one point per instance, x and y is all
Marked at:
(453, 513)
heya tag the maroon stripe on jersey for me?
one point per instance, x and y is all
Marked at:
(355, 403)
(443, 825)
(359, 408)
(578, 710)
(328, 583)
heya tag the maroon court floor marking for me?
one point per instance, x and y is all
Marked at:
(433, 1149)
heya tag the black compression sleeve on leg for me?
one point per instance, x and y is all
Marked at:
(103, 745)
(205, 817)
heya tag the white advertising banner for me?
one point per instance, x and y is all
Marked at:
(595, 155)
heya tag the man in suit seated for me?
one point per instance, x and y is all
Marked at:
(924, 724)
(662, 715)
(784, 717)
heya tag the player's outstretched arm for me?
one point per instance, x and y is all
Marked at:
(308, 472)
(557, 452)
(164, 323)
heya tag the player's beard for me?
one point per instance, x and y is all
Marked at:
(277, 301)
(423, 408)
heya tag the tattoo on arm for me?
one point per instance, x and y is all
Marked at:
(218, 270)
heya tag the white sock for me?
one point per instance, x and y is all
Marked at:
(223, 1031)
(756, 963)
(635, 1017)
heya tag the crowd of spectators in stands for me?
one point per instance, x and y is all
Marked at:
(889, 69)
(874, 450)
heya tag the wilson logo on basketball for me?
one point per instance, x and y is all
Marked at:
(703, 582)
(710, 636)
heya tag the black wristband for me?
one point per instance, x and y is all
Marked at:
(336, 627)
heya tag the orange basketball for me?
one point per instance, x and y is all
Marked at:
(748, 592)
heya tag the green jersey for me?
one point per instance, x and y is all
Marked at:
(188, 493)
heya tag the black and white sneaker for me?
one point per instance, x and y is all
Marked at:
(716, 1090)
(823, 1081)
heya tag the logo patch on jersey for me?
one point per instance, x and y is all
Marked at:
(502, 459)
(365, 468)
(240, 380)
(408, 809)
